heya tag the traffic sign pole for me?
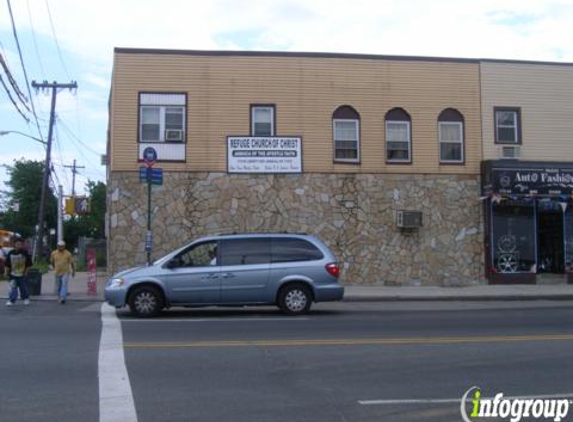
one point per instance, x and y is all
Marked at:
(149, 156)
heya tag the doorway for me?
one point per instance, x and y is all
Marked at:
(550, 240)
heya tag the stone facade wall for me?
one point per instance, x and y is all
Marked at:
(353, 214)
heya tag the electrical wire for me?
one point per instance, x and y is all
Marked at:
(14, 84)
(12, 100)
(83, 146)
(24, 68)
(56, 40)
(34, 39)
(59, 150)
(72, 134)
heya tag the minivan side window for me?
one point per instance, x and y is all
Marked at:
(289, 250)
(201, 255)
(245, 251)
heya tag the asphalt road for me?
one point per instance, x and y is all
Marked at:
(343, 362)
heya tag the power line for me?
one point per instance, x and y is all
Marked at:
(24, 68)
(56, 40)
(34, 39)
(14, 84)
(75, 140)
(12, 100)
(68, 130)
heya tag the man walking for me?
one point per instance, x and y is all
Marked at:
(63, 264)
(17, 263)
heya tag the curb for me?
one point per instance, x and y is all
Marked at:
(371, 299)
(488, 298)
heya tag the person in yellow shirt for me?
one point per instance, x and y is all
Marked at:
(63, 263)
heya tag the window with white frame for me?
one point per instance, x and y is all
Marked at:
(346, 133)
(262, 120)
(398, 137)
(451, 136)
(162, 117)
(507, 125)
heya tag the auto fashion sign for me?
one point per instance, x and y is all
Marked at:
(264, 154)
(529, 181)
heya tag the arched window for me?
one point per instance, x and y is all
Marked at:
(451, 136)
(398, 136)
(346, 133)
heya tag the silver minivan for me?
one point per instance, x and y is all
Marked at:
(289, 270)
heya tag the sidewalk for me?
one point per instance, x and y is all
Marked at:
(78, 289)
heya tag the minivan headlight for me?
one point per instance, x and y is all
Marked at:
(116, 282)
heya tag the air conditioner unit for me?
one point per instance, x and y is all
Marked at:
(510, 152)
(408, 219)
(173, 135)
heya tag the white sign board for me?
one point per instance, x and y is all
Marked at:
(264, 154)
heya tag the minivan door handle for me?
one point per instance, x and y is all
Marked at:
(228, 275)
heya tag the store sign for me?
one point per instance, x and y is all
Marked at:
(531, 181)
(264, 154)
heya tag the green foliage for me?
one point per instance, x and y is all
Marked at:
(91, 225)
(25, 188)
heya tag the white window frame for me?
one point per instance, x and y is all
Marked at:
(515, 127)
(460, 141)
(254, 108)
(162, 125)
(409, 141)
(357, 132)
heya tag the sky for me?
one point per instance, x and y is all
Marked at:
(73, 40)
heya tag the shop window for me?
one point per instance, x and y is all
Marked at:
(451, 136)
(162, 117)
(398, 136)
(507, 125)
(346, 130)
(262, 120)
(513, 234)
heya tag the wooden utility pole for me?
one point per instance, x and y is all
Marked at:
(74, 172)
(54, 86)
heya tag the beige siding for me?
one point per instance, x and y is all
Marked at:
(544, 92)
(306, 91)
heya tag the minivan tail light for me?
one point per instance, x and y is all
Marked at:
(333, 269)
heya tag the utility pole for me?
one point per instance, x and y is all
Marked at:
(54, 86)
(60, 213)
(74, 172)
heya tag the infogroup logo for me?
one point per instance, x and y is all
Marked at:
(512, 408)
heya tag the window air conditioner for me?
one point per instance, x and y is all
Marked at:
(511, 152)
(408, 219)
(173, 135)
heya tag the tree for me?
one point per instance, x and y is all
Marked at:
(25, 189)
(92, 224)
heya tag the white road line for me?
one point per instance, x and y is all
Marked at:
(459, 399)
(226, 319)
(115, 397)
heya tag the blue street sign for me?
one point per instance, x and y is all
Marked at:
(149, 156)
(156, 176)
(143, 174)
(153, 175)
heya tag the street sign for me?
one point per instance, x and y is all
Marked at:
(79, 205)
(148, 241)
(149, 156)
(153, 175)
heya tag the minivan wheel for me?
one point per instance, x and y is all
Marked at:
(146, 301)
(295, 299)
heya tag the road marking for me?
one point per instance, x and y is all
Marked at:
(115, 397)
(459, 399)
(349, 342)
(217, 319)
